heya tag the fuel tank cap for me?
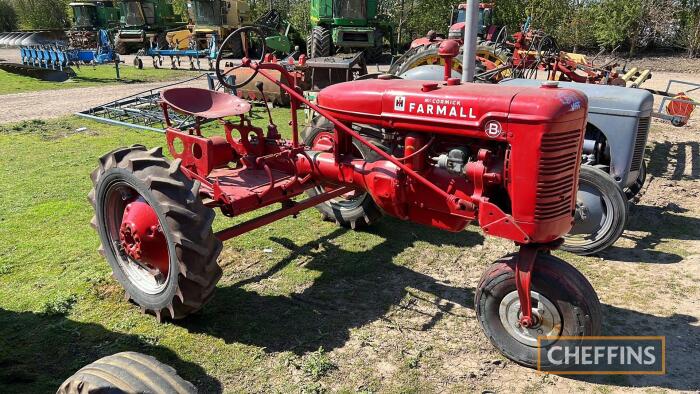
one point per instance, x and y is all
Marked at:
(550, 84)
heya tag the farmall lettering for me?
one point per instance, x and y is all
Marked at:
(433, 106)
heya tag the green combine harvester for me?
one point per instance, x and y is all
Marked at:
(143, 21)
(89, 17)
(347, 26)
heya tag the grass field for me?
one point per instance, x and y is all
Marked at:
(88, 76)
(303, 306)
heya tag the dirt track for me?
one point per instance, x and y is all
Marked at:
(50, 104)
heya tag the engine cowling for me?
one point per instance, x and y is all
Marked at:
(523, 146)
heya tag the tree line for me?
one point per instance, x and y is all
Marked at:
(631, 25)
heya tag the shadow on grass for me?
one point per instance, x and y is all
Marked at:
(668, 161)
(38, 352)
(665, 154)
(354, 289)
(357, 288)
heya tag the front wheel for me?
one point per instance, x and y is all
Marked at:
(601, 213)
(563, 304)
(632, 192)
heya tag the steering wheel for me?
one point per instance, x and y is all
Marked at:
(240, 40)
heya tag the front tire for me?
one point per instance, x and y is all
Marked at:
(121, 47)
(566, 303)
(354, 211)
(632, 192)
(601, 213)
(187, 276)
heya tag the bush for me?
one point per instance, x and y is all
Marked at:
(42, 14)
(8, 16)
(688, 35)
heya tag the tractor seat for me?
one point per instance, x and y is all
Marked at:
(204, 103)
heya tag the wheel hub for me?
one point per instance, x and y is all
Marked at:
(546, 319)
(142, 238)
(591, 211)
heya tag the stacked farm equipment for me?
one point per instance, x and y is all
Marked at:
(455, 153)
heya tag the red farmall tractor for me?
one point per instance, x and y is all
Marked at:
(505, 157)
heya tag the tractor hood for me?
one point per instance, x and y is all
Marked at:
(436, 107)
(604, 99)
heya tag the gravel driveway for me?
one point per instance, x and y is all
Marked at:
(50, 104)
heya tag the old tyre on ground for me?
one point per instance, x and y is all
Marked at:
(155, 231)
(320, 42)
(126, 372)
(601, 213)
(353, 210)
(563, 304)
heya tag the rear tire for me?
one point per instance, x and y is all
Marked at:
(185, 221)
(602, 211)
(558, 288)
(374, 54)
(357, 212)
(321, 42)
(126, 372)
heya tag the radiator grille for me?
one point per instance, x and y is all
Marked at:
(560, 153)
(640, 143)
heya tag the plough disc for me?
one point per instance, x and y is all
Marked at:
(45, 74)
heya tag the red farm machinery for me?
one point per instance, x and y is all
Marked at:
(504, 157)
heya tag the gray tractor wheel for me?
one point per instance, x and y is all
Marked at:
(601, 213)
(354, 210)
(126, 372)
(321, 43)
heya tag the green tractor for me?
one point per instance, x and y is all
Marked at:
(346, 26)
(88, 18)
(143, 22)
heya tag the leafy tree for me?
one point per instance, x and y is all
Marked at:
(688, 34)
(8, 16)
(617, 22)
(42, 14)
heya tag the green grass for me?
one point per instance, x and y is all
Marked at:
(60, 309)
(88, 76)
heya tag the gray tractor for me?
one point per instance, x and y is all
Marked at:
(613, 170)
